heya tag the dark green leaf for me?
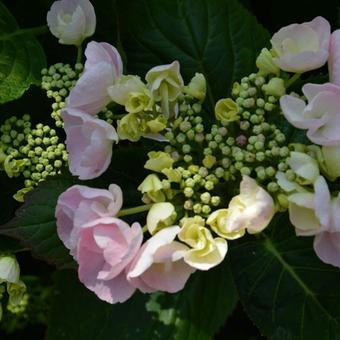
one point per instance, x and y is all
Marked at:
(9, 245)
(218, 38)
(197, 312)
(286, 290)
(77, 314)
(21, 58)
(34, 224)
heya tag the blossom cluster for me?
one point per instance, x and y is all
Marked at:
(208, 185)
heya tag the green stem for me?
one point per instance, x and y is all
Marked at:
(33, 31)
(79, 54)
(134, 210)
(119, 116)
(292, 80)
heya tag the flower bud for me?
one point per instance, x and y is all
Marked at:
(226, 110)
(197, 87)
(9, 269)
(71, 21)
(275, 87)
(158, 161)
(131, 92)
(165, 83)
(16, 292)
(129, 127)
(304, 166)
(206, 251)
(160, 215)
(265, 63)
(152, 186)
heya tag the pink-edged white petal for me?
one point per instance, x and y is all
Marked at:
(89, 142)
(334, 58)
(293, 109)
(103, 52)
(71, 21)
(90, 92)
(327, 248)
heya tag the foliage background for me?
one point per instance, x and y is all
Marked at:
(202, 309)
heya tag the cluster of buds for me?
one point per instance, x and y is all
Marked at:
(57, 81)
(204, 162)
(34, 153)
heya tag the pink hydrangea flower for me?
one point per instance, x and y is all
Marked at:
(102, 69)
(334, 58)
(321, 117)
(159, 264)
(80, 205)
(71, 21)
(106, 247)
(327, 243)
(318, 214)
(302, 47)
(89, 143)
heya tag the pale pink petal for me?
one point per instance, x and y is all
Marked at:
(90, 17)
(71, 21)
(334, 58)
(311, 90)
(159, 265)
(98, 243)
(322, 27)
(103, 52)
(322, 201)
(335, 215)
(147, 252)
(89, 143)
(170, 277)
(117, 198)
(302, 47)
(90, 92)
(327, 248)
(293, 109)
(302, 62)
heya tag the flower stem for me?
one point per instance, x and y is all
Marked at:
(34, 31)
(134, 210)
(293, 79)
(79, 54)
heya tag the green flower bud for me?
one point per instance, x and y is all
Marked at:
(215, 201)
(226, 110)
(206, 209)
(209, 161)
(275, 87)
(197, 87)
(188, 192)
(158, 161)
(209, 185)
(265, 63)
(197, 208)
(188, 205)
(129, 127)
(203, 172)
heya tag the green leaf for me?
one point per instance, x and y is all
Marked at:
(286, 290)
(9, 245)
(195, 313)
(34, 224)
(21, 58)
(77, 314)
(218, 38)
